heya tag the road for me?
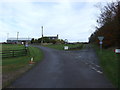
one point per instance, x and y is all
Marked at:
(65, 69)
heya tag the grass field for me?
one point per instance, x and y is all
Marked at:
(61, 46)
(14, 67)
(12, 46)
(12, 64)
(9, 51)
(109, 63)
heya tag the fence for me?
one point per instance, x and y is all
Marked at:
(13, 53)
(75, 48)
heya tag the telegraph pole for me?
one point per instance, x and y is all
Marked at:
(42, 35)
(7, 36)
(17, 37)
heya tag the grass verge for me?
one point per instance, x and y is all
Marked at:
(61, 46)
(109, 63)
(12, 68)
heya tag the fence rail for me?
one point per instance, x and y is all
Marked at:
(73, 48)
(13, 53)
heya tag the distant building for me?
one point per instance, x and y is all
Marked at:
(19, 40)
(51, 37)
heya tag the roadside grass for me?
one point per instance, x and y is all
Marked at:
(61, 46)
(109, 63)
(12, 64)
(14, 67)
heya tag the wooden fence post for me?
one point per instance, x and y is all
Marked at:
(13, 53)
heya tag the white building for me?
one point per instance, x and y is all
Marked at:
(18, 40)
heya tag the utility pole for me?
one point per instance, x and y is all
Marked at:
(7, 36)
(17, 36)
(42, 35)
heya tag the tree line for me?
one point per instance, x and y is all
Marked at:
(47, 40)
(108, 26)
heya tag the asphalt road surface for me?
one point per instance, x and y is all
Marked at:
(65, 69)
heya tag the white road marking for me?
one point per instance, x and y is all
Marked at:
(100, 72)
(97, 65)
(96, 69)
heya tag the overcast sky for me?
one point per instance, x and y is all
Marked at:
(71, 20)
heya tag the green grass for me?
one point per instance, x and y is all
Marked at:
(109, 63)
(15, 66)
(12, 46)
(12, 64)
(61, 46)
